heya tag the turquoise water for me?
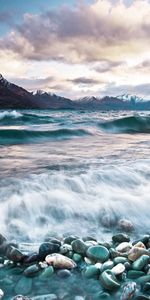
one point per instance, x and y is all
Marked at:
(73, 172)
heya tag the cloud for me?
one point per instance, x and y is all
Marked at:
(84, 81)
(86, 33)
(34, 83)
(107, 65)
(142, 90)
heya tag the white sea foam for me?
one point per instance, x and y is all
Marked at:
(83, 203)
(10, 114)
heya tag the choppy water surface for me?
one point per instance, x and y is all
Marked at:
(78, 172)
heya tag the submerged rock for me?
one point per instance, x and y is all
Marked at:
(129, 290)
(109, 281)
(99, 253)
(45, 297)
(64, 273)
(1, 294)
(60, 261)
(32, 270)
(24, 286)
(20, 297)
(140, 263)
(126, 225)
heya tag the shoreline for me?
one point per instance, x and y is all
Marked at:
(75, 268)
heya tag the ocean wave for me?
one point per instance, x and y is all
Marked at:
(28, 135)
(21, 118)
(131, 124)
(86, 203)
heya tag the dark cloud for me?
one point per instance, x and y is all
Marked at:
(84, 81)
(75, 35)
(107, 65)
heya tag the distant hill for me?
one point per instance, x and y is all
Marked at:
(15, 97)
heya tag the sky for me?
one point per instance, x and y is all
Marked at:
(77, 48)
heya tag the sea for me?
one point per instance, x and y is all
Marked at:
(65, 172)
(77, 172)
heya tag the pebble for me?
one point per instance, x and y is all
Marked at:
(92, 272)
(14, 254)
(47, 272)
(24, 286)
(109, 281)
(108, 265)
(20, 297)
(132, 274)
(60, 261)
(77, 257)
(124, 247)
(48, 248)
(99, 253)
(79, 246)
(64, 273)
(32, 270)
(120, 238)
(136, 252)
(141, 262)
(45, 297)
(118, 269)
(129, 290)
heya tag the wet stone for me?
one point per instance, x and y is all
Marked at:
(132, 274)
(64, 273)
(120, 238)
(129, 290)
(79, 246)
(45, 297)
(70, 239)
(47, 272)
(99, 253)
(109, 281)
(140, 263)
(91, 272)
(48, 248)
(20, 297)
(32, 270)
(24, 286)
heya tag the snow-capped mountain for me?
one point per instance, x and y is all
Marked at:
(130, 98)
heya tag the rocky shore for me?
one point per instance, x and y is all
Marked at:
(76, 269)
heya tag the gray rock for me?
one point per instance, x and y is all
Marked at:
(32, 270)
(48, 248)
(79, 246)
(64, 273)
(120, 238)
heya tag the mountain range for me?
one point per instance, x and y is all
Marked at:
(16, 97)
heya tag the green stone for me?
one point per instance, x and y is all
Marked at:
(91, 272)
(120, 260)
(140, 263)
(133, 274)
(79, 246)
(144, 279)
(109, 281)
(23, 286)
(48, 272)
(108, 265)
(98, 253)
(77, 257)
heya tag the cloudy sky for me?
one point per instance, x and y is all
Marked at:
(77, 47)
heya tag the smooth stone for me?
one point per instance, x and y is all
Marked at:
(118, 269)
(32, 270)
(15, 255)
(120, 260)
(48, 248)
(24, 286)
(79, 246)
(45, 297)
(140, 263)
(144, 279)
(114, 253)
(91, 272)
(31, 258)
(120, 238)
(129, 290)
(99, 253)
(136, 252)
(20, 297)
(60, 261)
(132, 274)
(88, 261)
(108, 265)
(126, 225)
(64, 273)
(124, 247)
(140, 245)
(65, 248)
(77, 257)
(1, 294)
(146, 287)
(90, 243)
(70, 239)
(109, 281)
(47, 272)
